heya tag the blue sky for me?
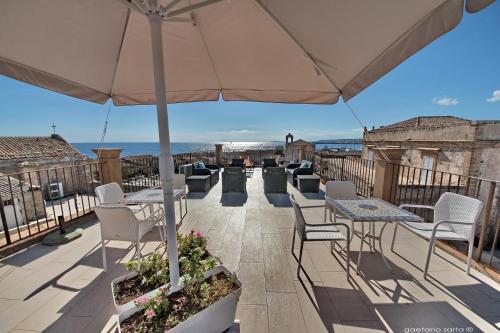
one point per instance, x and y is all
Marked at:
(456, 75)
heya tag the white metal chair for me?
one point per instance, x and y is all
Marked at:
(455, 218)
(317, 232)
(122, 223)
(180, 192)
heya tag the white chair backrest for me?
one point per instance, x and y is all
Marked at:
(179, 181)
(117, 223)
(110, 194)
(341, 190)
(300, 222)
(458, 208)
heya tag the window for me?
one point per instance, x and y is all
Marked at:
(426, 172)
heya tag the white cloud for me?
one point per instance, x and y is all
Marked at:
(445, 101)
(242, 131)
(495, 97)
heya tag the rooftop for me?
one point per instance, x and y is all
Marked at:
(28, 147)
(432, 122)
(62, 289)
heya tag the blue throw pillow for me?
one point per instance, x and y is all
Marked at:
(305, 165)
(200, 165)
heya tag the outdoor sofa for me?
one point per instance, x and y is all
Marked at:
(295, 169)
(196, 176)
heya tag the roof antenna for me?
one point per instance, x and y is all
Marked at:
(53, 128)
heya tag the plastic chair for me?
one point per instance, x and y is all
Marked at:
(122, 223)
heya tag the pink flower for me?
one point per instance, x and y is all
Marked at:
(142, 300)
(150, 313)
(199, 235)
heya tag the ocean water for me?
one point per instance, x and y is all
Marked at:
(153, 148)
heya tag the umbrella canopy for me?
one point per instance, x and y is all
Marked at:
(290, 51)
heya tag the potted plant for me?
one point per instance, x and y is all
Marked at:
(203, 302)
(150, 273)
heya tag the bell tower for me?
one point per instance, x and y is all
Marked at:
(289, 136)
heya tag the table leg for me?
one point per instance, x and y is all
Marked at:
(380, 245)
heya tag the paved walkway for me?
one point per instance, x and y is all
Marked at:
(63, 289)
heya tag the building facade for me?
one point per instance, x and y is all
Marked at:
(442, 143)
(298, 150)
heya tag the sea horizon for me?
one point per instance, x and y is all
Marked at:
(153, 148)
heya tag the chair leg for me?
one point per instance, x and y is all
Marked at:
(361, 248)
(293, 239)
(428, 260)
(180, 209)
(103, 249)
(324, 217)
(300, 257)
(347, 257)
(394, 236)
(469, 255)
(138, 249)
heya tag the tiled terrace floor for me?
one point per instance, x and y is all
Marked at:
(63, 289)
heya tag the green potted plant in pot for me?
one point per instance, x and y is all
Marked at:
(150, 273)
(205, 301)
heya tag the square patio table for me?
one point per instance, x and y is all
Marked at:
(152, 196)
(374, 211)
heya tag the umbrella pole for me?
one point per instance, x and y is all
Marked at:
(166, 161)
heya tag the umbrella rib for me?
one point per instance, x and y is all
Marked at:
(119, 53)
(191, 8)
(197, 25)
(307, 54)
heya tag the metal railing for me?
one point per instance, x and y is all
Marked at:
(360, 171)
(425, 187)
(256, 156)
(32, 201)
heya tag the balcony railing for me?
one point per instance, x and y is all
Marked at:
(31, 202)
(425, 187)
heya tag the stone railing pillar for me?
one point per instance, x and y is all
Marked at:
(384, 173)
(111, 164)
(218, 153)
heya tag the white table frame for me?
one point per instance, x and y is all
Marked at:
(371, 233)
(142, 197)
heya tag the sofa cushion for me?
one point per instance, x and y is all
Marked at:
(305, 164)
(200, 165)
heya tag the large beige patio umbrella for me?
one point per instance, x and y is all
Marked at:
(289, 51)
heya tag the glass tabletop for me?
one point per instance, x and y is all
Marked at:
(148, 196)
(372, 210)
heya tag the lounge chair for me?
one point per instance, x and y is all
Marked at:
(234, 179)
(274, 179)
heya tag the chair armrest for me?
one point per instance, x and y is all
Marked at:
(416, 206)
(293, 165)
(303, 171)
(212, 166)
(201, 172)
(329, 224)
(314, 206)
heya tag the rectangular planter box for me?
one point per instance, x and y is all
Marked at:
(217, 318)
(129, 305)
